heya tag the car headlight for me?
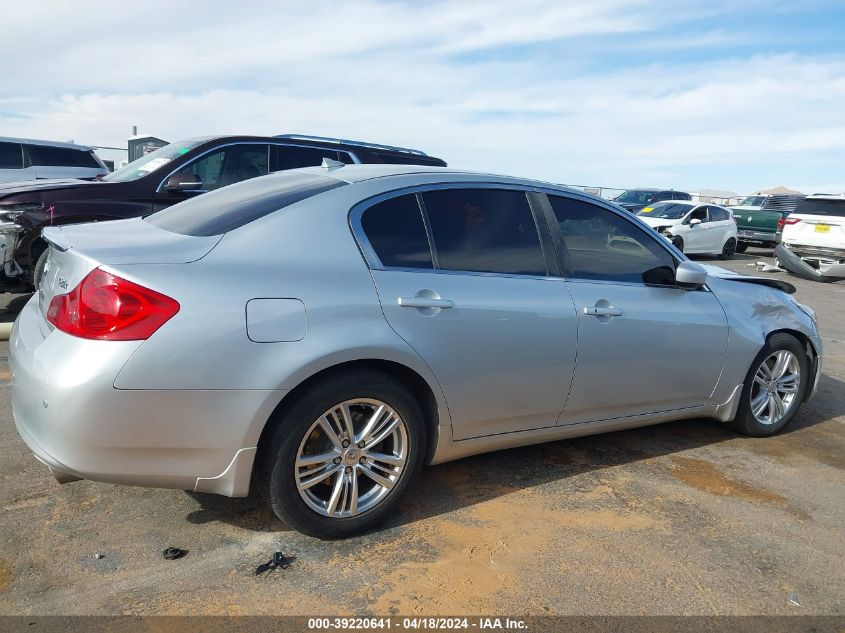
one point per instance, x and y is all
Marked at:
(10, 212)
(805, 309)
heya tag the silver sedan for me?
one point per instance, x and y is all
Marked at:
(322, 334)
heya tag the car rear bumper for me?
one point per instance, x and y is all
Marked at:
(758, 236)
(68, 412)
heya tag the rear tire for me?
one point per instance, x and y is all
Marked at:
(728, 249)
(325, 509)
(757, 415)
(741, 247)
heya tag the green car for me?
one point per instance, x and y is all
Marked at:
(759, 219)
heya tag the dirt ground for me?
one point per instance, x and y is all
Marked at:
(681, 518)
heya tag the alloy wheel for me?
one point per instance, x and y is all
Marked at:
(351, 458)
(775, 388)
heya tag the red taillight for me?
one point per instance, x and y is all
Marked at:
(784, 221)
(107, 307)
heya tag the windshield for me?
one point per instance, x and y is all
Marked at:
(666, 211)
(753, 201)
(635, 196)
(152, 161)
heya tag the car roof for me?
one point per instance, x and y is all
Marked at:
(359, 173)
(827, 196)
(33, 141)
(689, 203)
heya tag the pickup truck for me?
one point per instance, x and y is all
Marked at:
(759, 219)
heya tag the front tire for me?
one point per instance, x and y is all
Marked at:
(678, 242)
(774, 387)
(341, 458)
(728, 249)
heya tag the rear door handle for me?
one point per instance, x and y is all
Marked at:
(601, 311)
(424, 302)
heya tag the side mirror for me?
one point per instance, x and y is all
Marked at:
(694, 222)
(690, 276)
(183, 182)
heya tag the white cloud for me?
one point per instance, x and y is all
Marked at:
(485, 85)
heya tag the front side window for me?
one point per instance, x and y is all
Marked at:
(699, 213)
(396, 231)
(635, 196)
(600, 245)
(484, 230)
(11, 156)
(225, 166)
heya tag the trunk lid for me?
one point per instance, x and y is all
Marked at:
(76, 250)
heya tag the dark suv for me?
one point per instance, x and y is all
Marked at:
(634, 200)
(160, 179)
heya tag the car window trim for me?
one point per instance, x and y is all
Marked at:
(23, 156)
(268, 143)
(374, 263)
(557, 236)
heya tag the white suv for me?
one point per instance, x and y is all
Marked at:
(815, 232)
(27, 159)
(694, 228)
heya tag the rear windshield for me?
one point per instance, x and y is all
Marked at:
(231, 207)
(809, 206)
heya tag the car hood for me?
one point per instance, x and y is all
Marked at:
(724, 273)
(658, 221)
(47, 184)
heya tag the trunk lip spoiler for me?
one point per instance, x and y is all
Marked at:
(54, 237)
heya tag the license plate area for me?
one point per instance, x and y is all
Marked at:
(822, 228)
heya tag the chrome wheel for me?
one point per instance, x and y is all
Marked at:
(351, 458)
(775, 387)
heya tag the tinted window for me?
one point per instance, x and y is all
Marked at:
(635, 196)
(699, 213)
(10, 156)
(396, 231)
(484, 230)
(221, 211)
(406, 158)
(680, 195)
(598, 244)
(225, 166)
(717, 214)
(822, 207)
(292, 157)
(45, 156)
(666, 211)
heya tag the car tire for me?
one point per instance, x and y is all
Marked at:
(678, 242)
(38, 271)
(728, 249)
(299, 433)
(741, 247)
(753, 392)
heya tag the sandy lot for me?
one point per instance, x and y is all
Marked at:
(681, 518)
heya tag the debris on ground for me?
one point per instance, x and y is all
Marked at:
(172, 553)
(99, 556)
(793, 599)
(279, 561)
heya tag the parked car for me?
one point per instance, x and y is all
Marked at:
(24, 159)
(305, 330)
(171, 174)
(814, 235)
(760, 218)
(634, 200)
(702, 229)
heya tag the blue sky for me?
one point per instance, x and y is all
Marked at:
(732, 95)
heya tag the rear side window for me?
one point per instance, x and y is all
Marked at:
(231, 207)
(484, 230)
(717, 214)
(293, 157)
(396, 231)
(46, 156)
(406, 158)
(11, 156)
(835, 208)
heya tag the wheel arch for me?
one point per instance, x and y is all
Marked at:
(417, 385)
(809, 349)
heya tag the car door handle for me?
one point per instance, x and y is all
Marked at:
(423, 302)
(602, 311)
